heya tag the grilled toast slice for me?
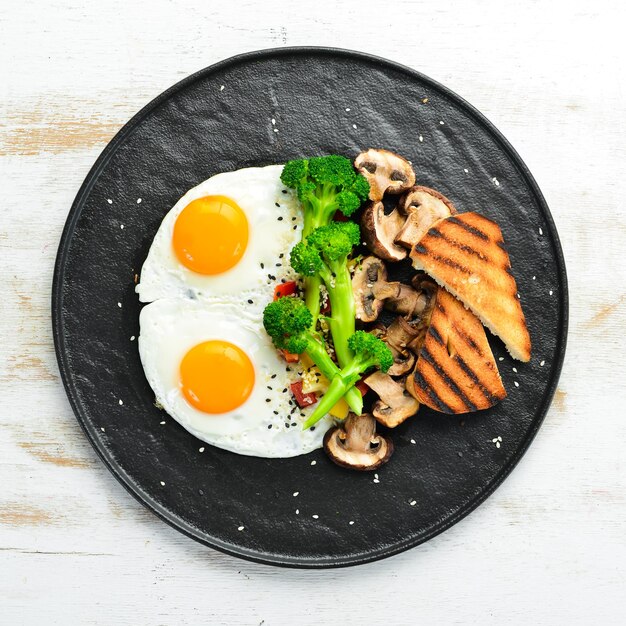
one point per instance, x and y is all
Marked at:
(465, 253)
(455, 370)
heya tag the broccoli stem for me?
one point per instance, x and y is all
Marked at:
(327, 367)
(342, 308)
(341, 385)
(312, 296)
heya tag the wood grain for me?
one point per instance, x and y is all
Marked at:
(547, 548)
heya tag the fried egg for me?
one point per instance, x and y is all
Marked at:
(227, 239)
(215, 371)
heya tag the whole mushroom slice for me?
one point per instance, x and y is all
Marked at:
(370, 288)
(395, 404)
(422, 208)
(385, 172)
(354, 444)
(379, 231)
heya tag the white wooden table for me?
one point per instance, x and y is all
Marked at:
(549, 547)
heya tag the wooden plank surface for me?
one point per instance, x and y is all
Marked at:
(549, 547)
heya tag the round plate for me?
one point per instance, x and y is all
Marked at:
(322, 101)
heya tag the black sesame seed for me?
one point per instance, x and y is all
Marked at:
(276, 203)
(281, 255)
(312, 428)
(269, 427)
(275, 412)
(286, 424)
(280, 218)
(278, 264)
(293, 219)
(285, 390)
(284, 191)
(268, 400)
(262, 266)
(295, 226)
(269, 388)
(273, 376)
(283, 280)
(250, 302)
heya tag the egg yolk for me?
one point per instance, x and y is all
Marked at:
(210, 235)
(216, 376)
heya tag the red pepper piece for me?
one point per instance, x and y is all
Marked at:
(302, 399)
(285, 289)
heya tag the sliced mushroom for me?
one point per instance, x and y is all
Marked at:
(371, 289)
(408, 302)
(403, 358)
(380, 230)
(355, 444)
(422, 207)
(395, 404)
(385, 171)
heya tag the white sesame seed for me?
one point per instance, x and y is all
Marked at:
(138, 200)
(162, 484)
(132, 338)
(496, 182)
(421, 138)
(121, 226)
(102, 428)
(551, 292)
(515, 369)
(119, 304)
(413, 441)
(499, 438)
(540, 231)
(351, 522)
(120, 402)
(315, 516)
(413, 502)
(200, 449)
(296, 493)
(297, 511)
(240, 528)
(109, 201)
(222, 88)
(497, 444)
(494, 440)
(313, 462)
(441, 122)
(347, 109)
(276, 130)
(542, 363)
(465, 170)
(162, 423)
(273, 122)
(500, 358)
(516, 383)
(376, 480)
(375, 475)
(534, 278)
(354, 126)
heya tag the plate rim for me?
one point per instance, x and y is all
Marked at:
(65, 371)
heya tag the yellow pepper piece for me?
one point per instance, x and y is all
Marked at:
(340, 410)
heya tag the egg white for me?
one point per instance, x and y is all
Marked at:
(170, 327)
(274, 224)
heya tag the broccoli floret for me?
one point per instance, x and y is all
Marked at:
(324, 185)
(288, 322)
(369, 351)
(305, 259)
(336, 240)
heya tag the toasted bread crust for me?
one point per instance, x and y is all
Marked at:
(465, 253)
(455, 370)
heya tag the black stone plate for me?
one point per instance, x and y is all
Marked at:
(323, 101)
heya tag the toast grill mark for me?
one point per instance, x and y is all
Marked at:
(445, 377)
(432, 394)
(471, 374)
(470, 229)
